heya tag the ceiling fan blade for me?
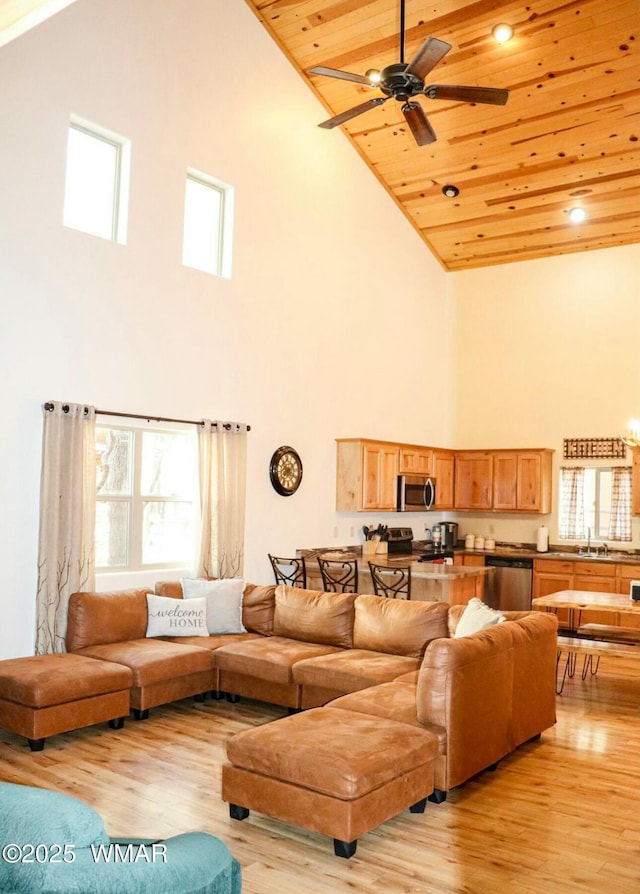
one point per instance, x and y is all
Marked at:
(491, 95)
(418, 123)
(341, 75)
(427, 57)
(356, 110)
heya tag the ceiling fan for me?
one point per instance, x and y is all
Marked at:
(402, 82)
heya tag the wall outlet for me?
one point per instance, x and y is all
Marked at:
(352, 531)
(335, 532)
(492, 529)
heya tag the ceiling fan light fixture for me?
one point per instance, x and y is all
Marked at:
(450, 191)
(402, 82)
(577, 215)
(502, 32)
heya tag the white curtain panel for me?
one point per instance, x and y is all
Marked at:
(223, 476)
(571, 520)
(67, 518)
(620, 520)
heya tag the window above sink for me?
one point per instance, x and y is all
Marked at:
(595, 504)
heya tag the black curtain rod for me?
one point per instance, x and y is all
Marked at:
(65, 408)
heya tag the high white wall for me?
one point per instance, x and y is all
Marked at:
(334, 324)
(545, 350)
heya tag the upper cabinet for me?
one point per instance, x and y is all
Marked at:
(473, 479)
(477, 480)
(443, 473)
(504, 480)
(379, 476)
(415, 460)
(366, 475)
(522, 480)
(434, 462)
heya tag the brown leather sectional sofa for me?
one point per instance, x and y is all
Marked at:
(481, 695)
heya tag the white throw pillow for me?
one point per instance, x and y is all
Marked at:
(477, 616)
(174, 617)
(224, 602)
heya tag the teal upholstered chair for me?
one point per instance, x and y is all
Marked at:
(64, 848)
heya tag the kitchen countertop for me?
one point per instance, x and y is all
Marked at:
(618, 558)
(508, 550)
(424, 570)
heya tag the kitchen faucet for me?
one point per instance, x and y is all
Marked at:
(582, 550)
(586, 551)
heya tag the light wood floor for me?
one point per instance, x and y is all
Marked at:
(560, 815)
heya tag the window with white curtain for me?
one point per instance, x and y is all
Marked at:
(595, 501)
(146, 497)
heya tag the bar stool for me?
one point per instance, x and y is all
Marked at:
(292, 572)
(339, 575)
(392, 582)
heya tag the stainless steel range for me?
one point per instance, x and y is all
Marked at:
(401, 543)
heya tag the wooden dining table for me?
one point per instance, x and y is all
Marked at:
(578, 600)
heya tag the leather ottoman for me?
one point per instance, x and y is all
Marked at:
(332, 771)
(43, 695)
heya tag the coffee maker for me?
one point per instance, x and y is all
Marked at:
(449, 534)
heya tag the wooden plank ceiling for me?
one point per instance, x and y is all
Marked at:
(567, 137)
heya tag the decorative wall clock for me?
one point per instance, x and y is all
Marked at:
(285, 471)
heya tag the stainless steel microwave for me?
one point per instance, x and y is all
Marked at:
(416, 493)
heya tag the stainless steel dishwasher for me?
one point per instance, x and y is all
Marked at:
(509, 587)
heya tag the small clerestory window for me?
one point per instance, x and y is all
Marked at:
(97, 181)
(208, 224)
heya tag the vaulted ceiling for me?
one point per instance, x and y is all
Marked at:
(567, 137)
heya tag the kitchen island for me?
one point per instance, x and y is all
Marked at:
(430, 582)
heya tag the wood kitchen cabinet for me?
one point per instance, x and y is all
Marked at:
(473, 480)
(443, 471)
(550, 576)
(595, 577)
(415, 460)
(478, 562)
(380, 474)
(505, 481)
(477, 480)
(522, 480)
(367, 473)
(468, 559)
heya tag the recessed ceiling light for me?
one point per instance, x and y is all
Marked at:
(502, 32)
(450, 191)
(577, 215)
